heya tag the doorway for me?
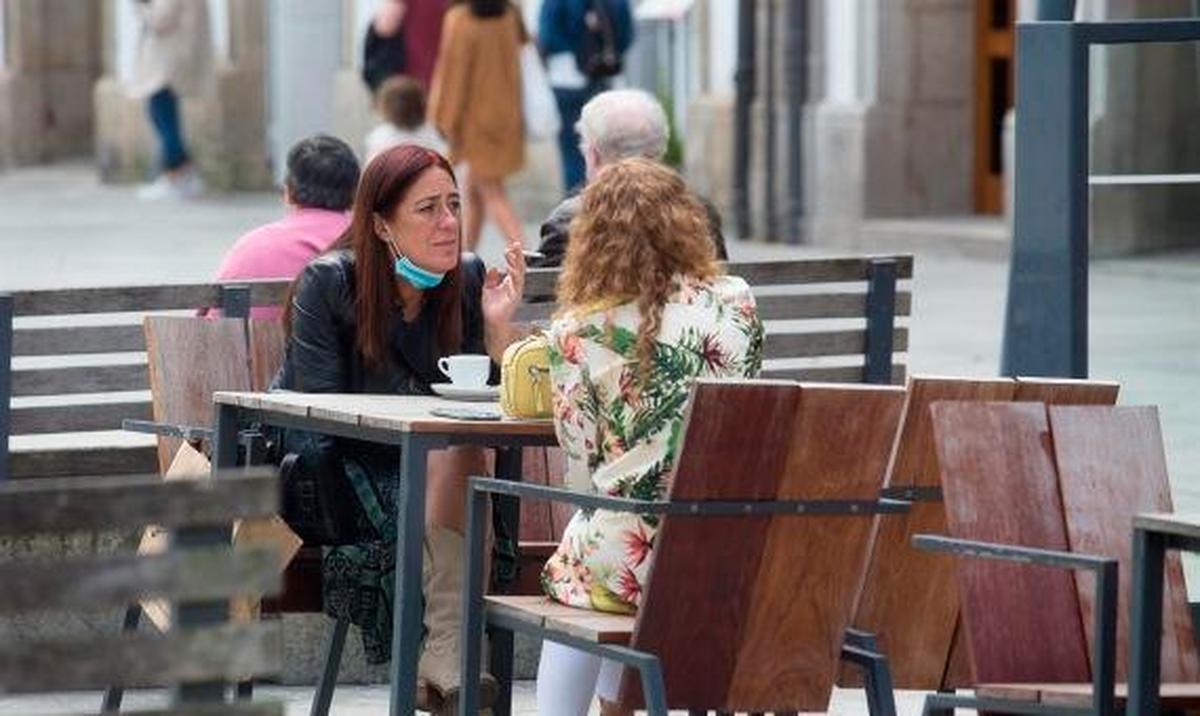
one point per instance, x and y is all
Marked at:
(994, 93)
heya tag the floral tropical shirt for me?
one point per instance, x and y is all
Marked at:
(621, 438)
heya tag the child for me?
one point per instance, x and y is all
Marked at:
(401, 103)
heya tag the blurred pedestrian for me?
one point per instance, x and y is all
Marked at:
(322, 175)
(584, 42)
(402, 38)
(475, 102)
(174, 60)
(401, 105)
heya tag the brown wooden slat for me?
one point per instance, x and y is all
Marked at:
(1111, 466)
(831, 270)
(268, 343)
(1000, 485)
(825, 343)
(79, 379)
(115, 299)
(1173, 697)
(58, 462)
(227, 653)
(189, 359)
(76, 418)
(266, 293)
(1063, 391)
(125, 579)
(540, 282)
(828, 374)
(823, 305)
(73, 340)
(543, 311)
(99, 503)
(732, 428)
(909, 597)
(841, 443)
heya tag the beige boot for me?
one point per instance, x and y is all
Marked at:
(443, 586)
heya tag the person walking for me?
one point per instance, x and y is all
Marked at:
(174, 60)
(583, 42)
(475, 102)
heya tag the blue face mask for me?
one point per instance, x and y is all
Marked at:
(417, 276)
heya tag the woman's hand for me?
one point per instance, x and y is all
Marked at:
(502, 294)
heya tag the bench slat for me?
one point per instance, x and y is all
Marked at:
(59, 462)
(124, 579)
(268, 293)
(827, 374)
(115, 299)
(77, 418)
(243, 708)
(73, 340)
(825, 343)
(228, 653)
(80, 379)
(100, 503)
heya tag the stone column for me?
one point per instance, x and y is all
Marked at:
(51, 57)
(225, 130)
(893, 131)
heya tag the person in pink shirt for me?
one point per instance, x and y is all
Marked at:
(322, 176)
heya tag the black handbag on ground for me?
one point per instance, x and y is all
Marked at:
(317, 501)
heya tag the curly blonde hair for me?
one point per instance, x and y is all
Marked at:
(639, 227)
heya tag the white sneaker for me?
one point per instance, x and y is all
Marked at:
(190, 185)
(184, 185)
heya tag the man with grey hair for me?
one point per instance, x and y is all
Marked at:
(615, 125)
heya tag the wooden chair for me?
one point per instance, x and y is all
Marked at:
(1055, 486)
(764, 512)
(199, 573)
(907, 597)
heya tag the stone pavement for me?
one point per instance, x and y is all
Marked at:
(59, 228)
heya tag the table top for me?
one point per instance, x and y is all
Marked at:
(398, 413)
(1184, 525)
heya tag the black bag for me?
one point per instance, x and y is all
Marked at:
(383, 57)
(318, 503)
(597, 56)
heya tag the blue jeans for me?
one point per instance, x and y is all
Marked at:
(570, 103)
(163, 108)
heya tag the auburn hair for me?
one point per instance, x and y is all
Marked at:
(639, 228)
(384, 184)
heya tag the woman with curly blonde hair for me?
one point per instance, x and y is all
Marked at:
(645, 309)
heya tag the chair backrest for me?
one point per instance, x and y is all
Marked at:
(721, 607)
(268, 342)
(1056, 477)
(908, 597)
(189, 359)
(827, 319)
(191, 572)
(73, 366)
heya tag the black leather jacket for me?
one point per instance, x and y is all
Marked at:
(321, 353)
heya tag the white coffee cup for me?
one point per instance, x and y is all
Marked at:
(466, 371)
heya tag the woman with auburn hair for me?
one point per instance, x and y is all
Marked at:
(374, 315)
(644, 310)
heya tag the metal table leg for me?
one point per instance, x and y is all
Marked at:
(1145, 619)
(410, 533)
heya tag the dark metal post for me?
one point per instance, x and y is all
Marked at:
(235, 301)
(6, 352)
(744, 79)
(1104, 654)
(797, 71)
(1045, 323)
(506, 520)
(472, 605)
(323, 697)
(881, 321)
(771, 140)
(410, 534)
(1145, 638)
(1061, 10)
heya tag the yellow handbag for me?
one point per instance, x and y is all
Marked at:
(525, 379)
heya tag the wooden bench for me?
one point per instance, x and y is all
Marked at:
(72, 367)
(768, 508)
(840, 320)
(908, 597)
(198, 573)
(1056, 486)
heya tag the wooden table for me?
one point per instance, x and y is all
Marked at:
(1153, 535)
(400, 420)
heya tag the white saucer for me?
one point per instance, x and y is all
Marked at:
(488, 393)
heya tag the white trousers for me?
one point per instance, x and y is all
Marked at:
(568, 679)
